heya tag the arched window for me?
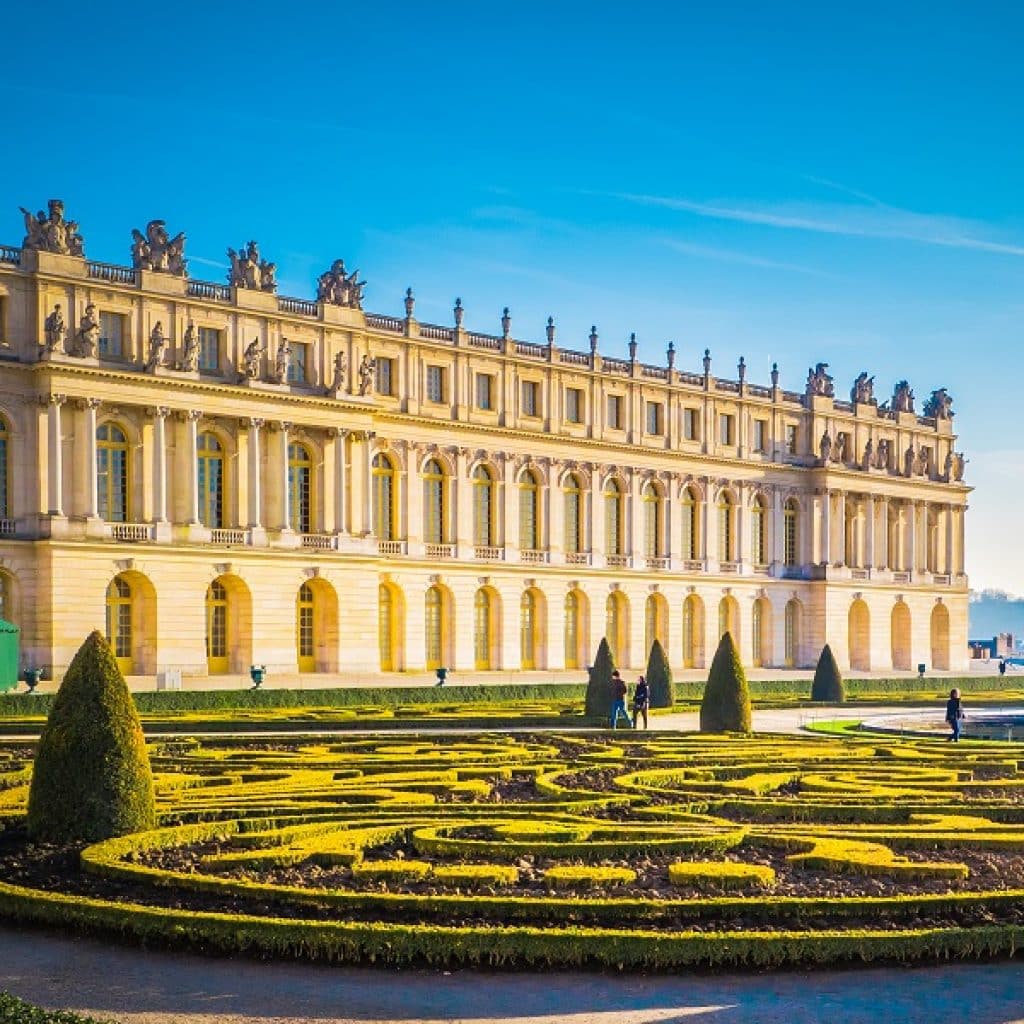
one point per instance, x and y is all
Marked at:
(690, 506)
(726, 547)
(615, 627)
(211, 482)
(5, 457)
(483, 629)
(574, 536)
(383, 497)
(613, 508)
(792, 654)
(693, 632)
(759, 532)
(216, 628)
(112, 473)
(389, 627)
(305, 607)
(653, 517)
(761, 632)
(300, 489)
(727, 618)
(528, 630)
(655, 622)
(483, 508)
(433, 503)
(119, 622)
(437, 629)
(572, 629)
(529, 508)
(790, 535)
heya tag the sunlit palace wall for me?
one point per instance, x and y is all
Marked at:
(216, 475)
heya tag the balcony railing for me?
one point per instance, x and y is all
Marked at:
(657, 564)
(385, 323)
(298, 307)
(943, 579)
(435, 551)
(860, 574)
(901, 576)
(209, 290)
(10, 254)
(8, 527)
(693, 565)
(319, 541)
(488, 554)
(485, 341)
(617, 561)
(391, 547)
(110, 272)
(573, 358)
(731, 568)
(436, 333)
(532, 556)
(135, 533)
(577, 558)
(230, 538)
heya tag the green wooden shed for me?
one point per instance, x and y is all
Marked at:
(8, 655)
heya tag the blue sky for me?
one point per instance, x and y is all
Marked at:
(792, 181)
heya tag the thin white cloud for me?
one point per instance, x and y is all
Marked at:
(840, 219)
(734, 256)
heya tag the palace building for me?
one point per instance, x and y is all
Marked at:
(217, 476)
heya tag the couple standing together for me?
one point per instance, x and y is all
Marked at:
(641, 700)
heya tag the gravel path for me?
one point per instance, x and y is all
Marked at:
(136, 986)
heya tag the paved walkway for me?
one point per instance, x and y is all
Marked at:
(137, 986)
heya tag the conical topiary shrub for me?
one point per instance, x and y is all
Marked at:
(726, 703)
(659, 677)
(599, 686)
(828, 680)
(91, 779)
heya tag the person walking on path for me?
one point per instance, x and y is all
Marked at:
(618, 699)
(641, 701)
(954, 715)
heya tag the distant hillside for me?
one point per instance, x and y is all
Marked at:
(994, 611)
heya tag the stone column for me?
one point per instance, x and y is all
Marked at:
(282, 453)
(55, 460)
(191, 422)
(825, 543)
(255, 497)
(960, 549)
(910, 537)
(885, 561)
(742, 525)
(554, 513)
(596, 518)
(777, 556)
(340, 435)
(843, 556)
(635, 523)
(462, 499)
(869, 532)
(510, 531)
(709, 521)
(87, 454)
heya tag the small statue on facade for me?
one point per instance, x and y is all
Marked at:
(902, 397)
(869, 452)
(959, 464)
(909, 458)
(939, 405)
(190, 357)
(156, 250)
(249, 270)
(55, 330)
(281, 360)
(884, 460)
(340, 370)
(819, 381)
(88, 337)
(506, 323)
(458, 312)
(157, 347)
(251, 360)
(947, 467)
(50, 232)
(410, 303)
(839, 448)
(338, 288)
(825, 447)
(921, 466)
(367, 368)
(863, 390)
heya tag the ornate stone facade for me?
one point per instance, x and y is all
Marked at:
(218, 475)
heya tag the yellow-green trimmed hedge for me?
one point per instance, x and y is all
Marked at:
(721, 874)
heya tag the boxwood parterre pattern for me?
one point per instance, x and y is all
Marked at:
(632, 851)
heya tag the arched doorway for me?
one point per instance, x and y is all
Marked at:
(228, 626)
(761, 633)
(531, 629)
(859, 635)
(655, 622)
(131, 623)
(316, 627)
(486, 630)
(576, 639)
(391, 628)
(616, 627)
(900, 626)
(793, 625)
(940, 637)
(729, 618)
(693, 632)
(438, 628)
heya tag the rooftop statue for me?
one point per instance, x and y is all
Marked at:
(863, 390)
(939, 405)
(51, 232)
(337, 288)
(248, 270)
(902, 397)
(819, 381)
(156, 250)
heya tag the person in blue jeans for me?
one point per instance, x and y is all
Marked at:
(619, 700)
(954, 715)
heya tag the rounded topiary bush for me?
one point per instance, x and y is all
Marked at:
(828, 680)
(599, 686)
(659, 676)
(91, 779)
(726, 703)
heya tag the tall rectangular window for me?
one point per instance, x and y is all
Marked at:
(209, 349)
(298, 363)
(573, 405)
(792, 439)
(435, 384)
(655, 418)
(112, 335)
(531, 398)
(615, 412)
(484, 391)
(760, 435)
(691, 424)
(385, 376)
(3, 320)
(727, 429)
